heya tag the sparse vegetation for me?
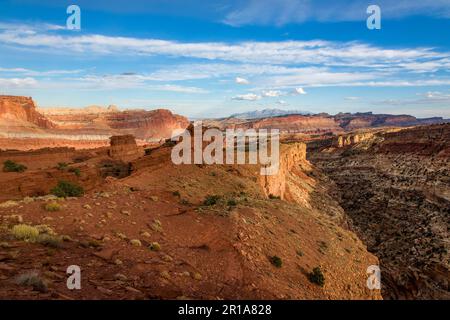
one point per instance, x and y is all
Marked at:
(211, 200)
(62, 166)
(48, 240)
(323, 247)
(155, 246)
(52, 206)
(76, 171)
(156, 226)
(11, 166)
(232, 203)
(273, 197)
(67, 189)
(185, 202)
(169, 143)
(32, 279)
(136, 242)
(317, 277)
(276, 261)
(148, 151)
(25, 232)
(176, 193)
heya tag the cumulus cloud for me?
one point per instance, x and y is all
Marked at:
(240, 80)
(247, 97)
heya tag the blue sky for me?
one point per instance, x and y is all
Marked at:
(214, 58)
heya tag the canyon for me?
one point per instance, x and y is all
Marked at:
(352, 191)
(166, 231)
(395, 187)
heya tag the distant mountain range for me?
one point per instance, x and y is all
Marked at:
(307, 123)
(267, 113)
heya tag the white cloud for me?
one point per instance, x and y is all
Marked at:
(240, 80)
(281, 12)
(18, 82)
(177, 88)
(247, 97)
(352, 98)
(272, 93)
(299, 91)
(314, 52)
(285, 67)
(36, 73)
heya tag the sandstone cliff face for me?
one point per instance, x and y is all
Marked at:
(23, 127)
(124, 148)
(290, 156)
(17, 111)
(397, 194)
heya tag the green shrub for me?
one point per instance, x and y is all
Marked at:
(52, 206)
(211, 200)
(11, 166)
(276, 261)
(176, 193)
(317, 277)
(62, 166)
(76, 171)
(67, 189)
(232, 203)
(271, 196)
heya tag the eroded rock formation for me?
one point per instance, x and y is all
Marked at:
(23, 127)
(124, 148)
(397, 192)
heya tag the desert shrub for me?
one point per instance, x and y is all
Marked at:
(276, 261)
(271, 196)
(52, 206)
(25, 232)
(185, 202)
(62, 166)
(211, 200)
(156, 226)
(232, 202)
(176, 193)
(155, 246)
(317, 277)
(67, 189)
(11, 166)
(169, 143)
(76, 171)
(148, 151)
(48, 240)
(32, 279)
